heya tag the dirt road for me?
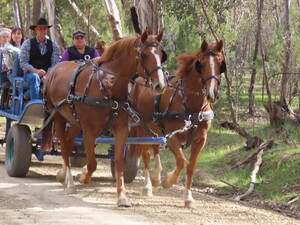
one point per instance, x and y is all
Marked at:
(39, 199)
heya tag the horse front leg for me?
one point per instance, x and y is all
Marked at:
(147, 190)
(197, 146)
(64, 175)
(156, 178)
(172, 178)
(120, 134)
(89, 144)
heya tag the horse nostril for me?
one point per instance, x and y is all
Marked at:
(159, 89)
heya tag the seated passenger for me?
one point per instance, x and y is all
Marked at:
(79, 50)
(4, 39)
(100, 46)
(37, 56)
(12, 51)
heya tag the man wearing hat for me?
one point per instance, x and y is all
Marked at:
(79, 50)
(37, 56)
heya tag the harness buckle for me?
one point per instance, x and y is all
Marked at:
(87, 57)
(116, 106)
(70, 98)
(136, 118)
(200, 116)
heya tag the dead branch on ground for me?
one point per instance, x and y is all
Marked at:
(262, 146)
(286, 158)
(253, 176)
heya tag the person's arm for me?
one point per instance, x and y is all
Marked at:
(55, 55)
(65, 56)
(9, 48)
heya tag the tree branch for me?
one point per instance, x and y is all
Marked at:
(253, 177)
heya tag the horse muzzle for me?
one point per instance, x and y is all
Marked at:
(159, 88)
(213, 98)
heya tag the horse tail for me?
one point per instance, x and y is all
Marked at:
(47, 134)
(135, 20)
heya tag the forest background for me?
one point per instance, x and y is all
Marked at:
(260, 96)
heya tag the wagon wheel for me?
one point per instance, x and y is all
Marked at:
(18, 150)
(78, 161)
(130, 167)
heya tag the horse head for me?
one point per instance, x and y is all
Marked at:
(150, 57)
(210, 65)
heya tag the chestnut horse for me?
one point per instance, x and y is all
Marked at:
(183, 112)
(92, 97)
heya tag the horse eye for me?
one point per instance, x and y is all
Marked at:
(223, 67)
(145, 55)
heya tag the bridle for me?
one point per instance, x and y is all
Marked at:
(213, 76)
(140, 59)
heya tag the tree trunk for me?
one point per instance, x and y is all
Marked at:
(54, 31)
(260, 5)
(17, 14)
(277, 17)
(27, 20)
(114, 18)
(36, 13)
(281, 111)
(85, 20)
(147, 14)
(287, 53)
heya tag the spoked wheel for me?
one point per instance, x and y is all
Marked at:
(18, 151)
(130, 167)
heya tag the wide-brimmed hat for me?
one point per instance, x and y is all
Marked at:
(78, 33)
(40, 22)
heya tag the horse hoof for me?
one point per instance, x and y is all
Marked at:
(190, 204)
(123, 202)
(155, 183)
(165, 183)
(71, 190)
(60, 176)
(82, 179)
(147, 192)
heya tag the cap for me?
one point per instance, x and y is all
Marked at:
(78, 33)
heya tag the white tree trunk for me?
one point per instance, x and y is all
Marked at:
(85, 20)
(17, 16)
(54, 32)
(114, 18)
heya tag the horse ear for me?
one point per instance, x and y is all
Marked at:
(144, 36)
(204, 46)
(198, 66)
(219, 46)
(159, 36)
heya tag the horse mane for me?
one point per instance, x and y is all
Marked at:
(117, 48)
(186, 63)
